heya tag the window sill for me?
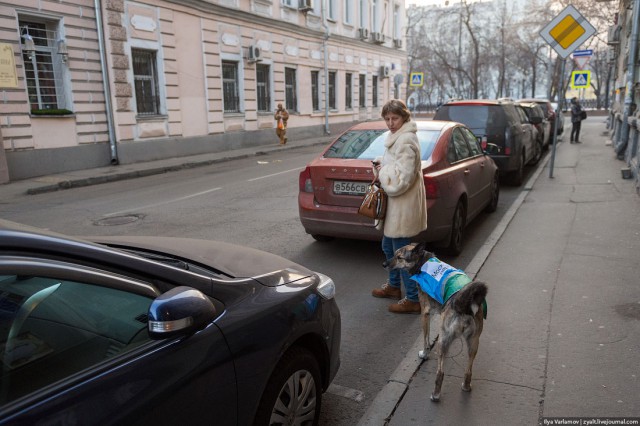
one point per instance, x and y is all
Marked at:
(72, 115)
(151, 117)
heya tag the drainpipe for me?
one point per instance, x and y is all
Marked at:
(326, 69)
(628, 96)
(106, 83)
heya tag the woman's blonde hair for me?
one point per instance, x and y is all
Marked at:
(396, 106)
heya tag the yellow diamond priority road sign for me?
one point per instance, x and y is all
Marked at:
(567, 31)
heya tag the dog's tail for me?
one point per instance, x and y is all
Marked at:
(470, 298)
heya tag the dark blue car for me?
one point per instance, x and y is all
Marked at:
(152, 330)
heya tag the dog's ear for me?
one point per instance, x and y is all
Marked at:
(420, 247)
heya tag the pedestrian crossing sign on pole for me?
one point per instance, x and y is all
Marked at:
(416, 79)
(580, 79)
(567, 31)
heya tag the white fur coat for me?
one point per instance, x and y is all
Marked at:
(401, 177)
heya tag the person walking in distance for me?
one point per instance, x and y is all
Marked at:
(281, 116)
(399, 171)
(576, 120)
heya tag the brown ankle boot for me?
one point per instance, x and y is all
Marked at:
(405, 306)
(387, 291)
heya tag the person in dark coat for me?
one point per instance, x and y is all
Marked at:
(576, 120)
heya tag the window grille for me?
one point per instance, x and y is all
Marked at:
(332, 90)
(290, 89)
(43, 67)
(363, 93)
(263, 89)
(315, 86)
(348, 91)
(230, 92)
(374, 91)
(145, 78)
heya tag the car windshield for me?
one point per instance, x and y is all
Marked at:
(474, 116)
(369, 144)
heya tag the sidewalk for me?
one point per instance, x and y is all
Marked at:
(130, 171)
(562, 338)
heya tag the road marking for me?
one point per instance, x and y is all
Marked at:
(186, 197)
(275, 174)
(345, 392)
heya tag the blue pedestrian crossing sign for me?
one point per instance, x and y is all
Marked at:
(580, 79)
(416, 79)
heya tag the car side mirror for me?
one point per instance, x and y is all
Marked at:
(180, 311)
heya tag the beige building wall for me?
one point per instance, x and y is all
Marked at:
(79, 80)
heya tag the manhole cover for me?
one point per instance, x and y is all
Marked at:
(117, 220)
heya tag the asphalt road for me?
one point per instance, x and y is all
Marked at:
(253, 202)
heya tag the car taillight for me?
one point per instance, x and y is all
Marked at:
(431, 188)
(507, 150)
(483, 143)
(304, 181)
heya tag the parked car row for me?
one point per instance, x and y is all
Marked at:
(465, 149)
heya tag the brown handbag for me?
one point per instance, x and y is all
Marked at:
(374, 203)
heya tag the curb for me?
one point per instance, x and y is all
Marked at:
(118, 176)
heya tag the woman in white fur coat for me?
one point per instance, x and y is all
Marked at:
(399, 171)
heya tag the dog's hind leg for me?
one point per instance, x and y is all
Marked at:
(445, 341)
(426, 326)
(473, 341)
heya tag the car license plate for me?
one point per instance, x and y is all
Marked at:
(341, 187)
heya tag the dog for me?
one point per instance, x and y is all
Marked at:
(462, 312)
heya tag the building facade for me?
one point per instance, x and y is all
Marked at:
(100, 82)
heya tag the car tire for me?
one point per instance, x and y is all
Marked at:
(293, 393)
(322, 238)
(457, 230)
(495, 195)
(517, 176)
(537, 155)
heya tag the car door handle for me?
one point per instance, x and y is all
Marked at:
(467, 171)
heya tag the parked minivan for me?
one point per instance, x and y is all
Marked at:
(503, 128)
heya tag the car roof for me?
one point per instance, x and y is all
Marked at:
(422, 125)
(479, 102)
(536, 100)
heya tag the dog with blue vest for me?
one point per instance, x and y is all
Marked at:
(460, 301)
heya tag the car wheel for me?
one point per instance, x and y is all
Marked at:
(537, 155)
(457, 230)
(495, 195)
(293, 394)
(517, 176)
(322, 238)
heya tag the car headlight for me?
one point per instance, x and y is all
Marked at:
(327, 287)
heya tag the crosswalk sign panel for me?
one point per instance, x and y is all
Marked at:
(416, 79)
(580, 79)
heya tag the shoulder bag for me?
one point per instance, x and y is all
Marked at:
(374, 203)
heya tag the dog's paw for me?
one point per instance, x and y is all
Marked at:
(466, 387)
(423, 354)
(435, 398)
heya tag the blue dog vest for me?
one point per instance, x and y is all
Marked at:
(441, 281)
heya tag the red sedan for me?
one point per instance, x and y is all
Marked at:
(460, 180)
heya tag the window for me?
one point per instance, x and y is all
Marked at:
(374, 16)
(315, 90)
(145, 77)
(460, 144)
(290, 89)
(263, 89)
(348, 90)
(230, 92)
(363, 13)
(43, 67)
(290, 3)
(362, 97)
(332, 90)
(348, 12)
(374, 91)
(396, 22)
(332, 10)
(54, 328)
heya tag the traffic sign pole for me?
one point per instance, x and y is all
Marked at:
(555, 122)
